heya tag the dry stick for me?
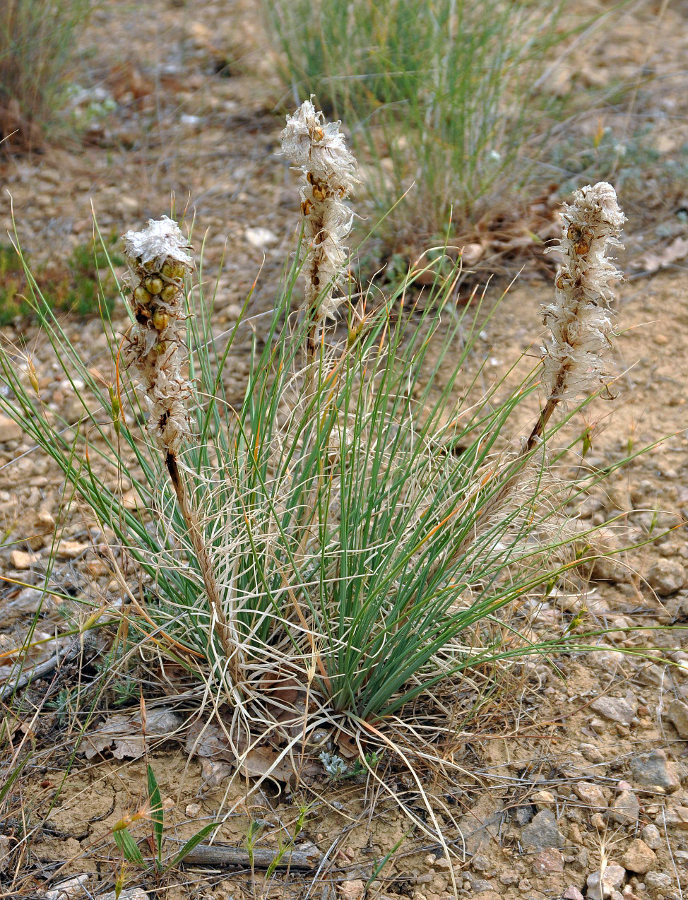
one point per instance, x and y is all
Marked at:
(225, 855)
(222, 627)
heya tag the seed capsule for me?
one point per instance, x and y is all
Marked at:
(142, 296)
(161, 320)
(172, 269)
(169, 292)
(154, 284)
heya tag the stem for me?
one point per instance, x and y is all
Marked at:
(221, 627)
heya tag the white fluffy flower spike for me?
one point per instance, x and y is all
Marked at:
(579, 318)
(328, 168)
(159, 259)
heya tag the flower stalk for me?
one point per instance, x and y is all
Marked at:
(328, 174)
(578, 318)
(159, 259)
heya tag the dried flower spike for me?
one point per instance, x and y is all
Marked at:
(328, 168)
(579, 319)
(159, 259)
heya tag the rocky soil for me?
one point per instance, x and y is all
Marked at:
(574, 782)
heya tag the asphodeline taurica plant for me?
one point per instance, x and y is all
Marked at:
(578, 318)
(328, 174)
(156, 350)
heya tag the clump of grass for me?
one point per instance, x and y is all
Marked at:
(82, 284)
(445, 96)
(359, 534)
(37, 39)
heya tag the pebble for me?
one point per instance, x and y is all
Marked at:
(639, 858)
(617, 709)
(572, 893)
(548, 861)
(677, 816)
(625, 809)
(600, 888)
(658, 882)
(542, 832)
(260, 237)
(677, 714)
(666, 576)
(21, 560)
(480, 863)
(70, 549)
(591, 794)
(654, 770)
(193, 810)
(543, 798)
(65, 890)
(651, 836)
(9, 430)
(352, 890)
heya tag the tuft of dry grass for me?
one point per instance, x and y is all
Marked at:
(37, 39)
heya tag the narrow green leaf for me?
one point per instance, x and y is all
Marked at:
(190, 844)
(156, 810)
(129, 847)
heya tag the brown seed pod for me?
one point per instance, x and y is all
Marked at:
(142, 296)
(154, 284)
(581, 238)
(160, 320)
(172, 269)
(169, 292)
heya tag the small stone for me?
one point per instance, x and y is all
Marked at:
(352, 890)
(666, 576)
(592, 753)
(654, 770)
(652, 837)
(127, 894)
(548, 861)
(572, 893)
(542, 832)
(616, 709)
(600, 888)
(66, 890)
(480, 863)
(70, 549)
(21, 560)
(260, 237)
(9, 430)
(677, 816)
(639, 858)
(625, 809)
(591, 794)
(658, 882)
(193, 810)
(677, 714)
(543, 798)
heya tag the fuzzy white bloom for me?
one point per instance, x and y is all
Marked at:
(328, 168)
(161, 239)
(318, 147)
(158, 256)
(579, 319)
